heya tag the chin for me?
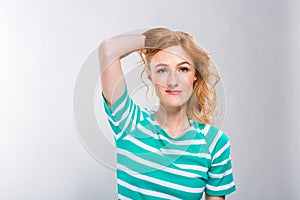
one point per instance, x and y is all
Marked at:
(172, 104)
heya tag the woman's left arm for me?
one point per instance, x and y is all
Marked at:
(208, 197)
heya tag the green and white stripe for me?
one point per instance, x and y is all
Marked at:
(153, 165)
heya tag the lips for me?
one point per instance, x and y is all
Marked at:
(173, 92)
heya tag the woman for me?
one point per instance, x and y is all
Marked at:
(173, 152)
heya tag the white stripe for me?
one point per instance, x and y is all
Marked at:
(192, 167)
(225, 147)
(220, 175)
(144, 111)
(188, 142)
(205, 130)
(119, 134)
(183, 142)
(164, 151)
(219, 188)
(123, 197)
(111, 120)
(142, 145)
(160, 182)
(128, 116)
(224, 162)
(134, 119)
(142, 115)
(128, 119)
(109, 117)
(181, 153)
(155, 165)
(117, 109)
(214, 142)
(146, 131)
(125, 114)
(145, 191)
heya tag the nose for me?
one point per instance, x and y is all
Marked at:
(172, 79)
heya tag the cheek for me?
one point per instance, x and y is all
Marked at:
(189, 80)
(158, 80)
(159, 84)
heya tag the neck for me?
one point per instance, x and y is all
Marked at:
(173, 120)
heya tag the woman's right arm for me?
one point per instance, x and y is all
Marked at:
(110, 52)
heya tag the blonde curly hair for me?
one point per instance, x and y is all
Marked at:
(202, 104)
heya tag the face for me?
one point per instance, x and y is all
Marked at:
(172, 73)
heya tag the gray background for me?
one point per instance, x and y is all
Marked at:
(43, 45)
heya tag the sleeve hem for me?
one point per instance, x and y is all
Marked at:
(221, 192)
(117, 103)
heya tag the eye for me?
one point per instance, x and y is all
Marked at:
(183, 69)
(162, 70)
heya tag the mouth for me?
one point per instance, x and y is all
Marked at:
(173, 92)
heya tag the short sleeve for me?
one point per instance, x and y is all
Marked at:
(123, 116)
(220, 176)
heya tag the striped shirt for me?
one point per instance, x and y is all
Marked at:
(153, 165)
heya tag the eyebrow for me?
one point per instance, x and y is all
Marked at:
(165, 65)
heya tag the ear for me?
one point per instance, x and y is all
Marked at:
(148, 74)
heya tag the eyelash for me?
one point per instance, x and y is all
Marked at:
(181, 69)
(161, 70)
(184, 68)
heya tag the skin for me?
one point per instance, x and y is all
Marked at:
(208, 197)
(172, 74)
(110, 53)
(172, 69)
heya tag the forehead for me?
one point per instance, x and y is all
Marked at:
(171, 55)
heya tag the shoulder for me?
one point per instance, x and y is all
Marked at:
(216, 133)
(215, 138)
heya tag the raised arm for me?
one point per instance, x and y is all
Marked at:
(110, 52)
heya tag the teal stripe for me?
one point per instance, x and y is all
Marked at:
(159, 188)
(135, 195)
(166, 172)
(221, 192)
(223, 156)
(211, 134)
(225, 180)
(133, 149)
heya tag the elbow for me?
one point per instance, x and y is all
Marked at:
(105, 54)
(103, 49)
